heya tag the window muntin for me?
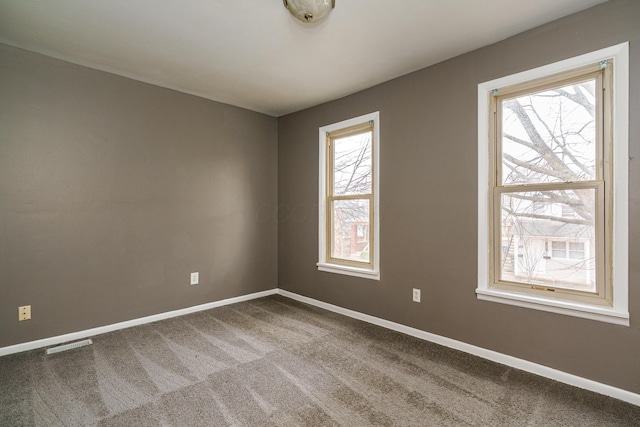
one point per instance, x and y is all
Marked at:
(550, 143)
(349, 197)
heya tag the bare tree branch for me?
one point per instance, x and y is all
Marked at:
(538, 143)
(579, 98)
(549, 217)
(534, 167)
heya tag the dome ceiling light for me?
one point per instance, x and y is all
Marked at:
(309, 11)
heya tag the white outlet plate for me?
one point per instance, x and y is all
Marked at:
(24, 313)
(195, 278)
(416, 295)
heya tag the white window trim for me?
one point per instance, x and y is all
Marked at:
(619, 312)
(322, 264)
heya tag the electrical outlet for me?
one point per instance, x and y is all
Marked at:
(416, 295)
(195, 277)
(24, 313)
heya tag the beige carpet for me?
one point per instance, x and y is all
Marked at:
(276, 362)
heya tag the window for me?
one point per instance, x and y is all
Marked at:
(348, 206)
(559, 249)
(576, 250)
(553, 153)
(573, 250)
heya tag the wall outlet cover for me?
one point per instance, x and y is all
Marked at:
(195, 278)
(416, 295)
(24, 313)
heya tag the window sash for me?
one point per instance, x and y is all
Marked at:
(602, 294)
(331, 236)
(540, 85)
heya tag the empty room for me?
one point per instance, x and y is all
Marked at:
(319, 213)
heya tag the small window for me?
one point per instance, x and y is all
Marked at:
(552, 191)
(576, 250)
(559, 249)
(362, 232)
(573, 250)
(349, 197)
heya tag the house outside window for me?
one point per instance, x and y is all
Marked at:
(553, 148)
(349, 197)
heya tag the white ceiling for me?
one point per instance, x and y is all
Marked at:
(254, 54)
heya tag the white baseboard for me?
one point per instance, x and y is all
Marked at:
(46, 342)
(494, 356)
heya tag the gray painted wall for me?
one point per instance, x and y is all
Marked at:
(112, 191)
(429, 204)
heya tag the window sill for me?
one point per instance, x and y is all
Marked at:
(349, 271)
(602, 314)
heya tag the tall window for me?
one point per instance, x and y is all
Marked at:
(550, 185)
(349, 197)
(551, 147)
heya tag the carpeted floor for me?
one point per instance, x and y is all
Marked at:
(277, 362)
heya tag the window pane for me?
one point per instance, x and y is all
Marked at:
(550, 136)
(533, 222)
(352, 164)
(576, 250)
(349, 220)
(559, 249)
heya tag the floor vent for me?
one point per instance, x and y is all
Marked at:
(69, 346)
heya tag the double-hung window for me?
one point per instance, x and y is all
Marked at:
(348, 213)
(552, 189)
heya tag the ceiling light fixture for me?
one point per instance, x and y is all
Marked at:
(309, 10)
